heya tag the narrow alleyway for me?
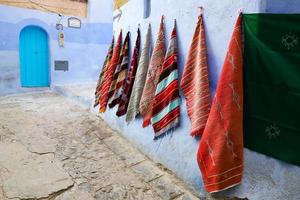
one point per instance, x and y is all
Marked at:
(51, 148)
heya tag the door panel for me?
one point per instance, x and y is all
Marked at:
(34, 57)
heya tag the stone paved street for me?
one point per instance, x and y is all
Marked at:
(51, 148)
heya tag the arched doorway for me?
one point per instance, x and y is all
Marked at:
(34, 57)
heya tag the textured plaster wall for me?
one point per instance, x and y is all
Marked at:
(264, 177)
(84, 48)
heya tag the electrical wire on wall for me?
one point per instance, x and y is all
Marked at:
(118, 16)
(43, 7)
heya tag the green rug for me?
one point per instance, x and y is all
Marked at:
(272, 85)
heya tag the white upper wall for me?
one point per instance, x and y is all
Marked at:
(219, 18)
(100, 11)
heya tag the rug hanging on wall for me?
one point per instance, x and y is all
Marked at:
(109, 75)
(102, 75)
(220, 154)
(166, 105)
(195, 82)
(128, 84)
(272, 85)
(152, 79)
(120, 74)
(140, 79)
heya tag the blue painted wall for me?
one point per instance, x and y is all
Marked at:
(84, 48)
(264, 177)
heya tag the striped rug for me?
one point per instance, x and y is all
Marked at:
(153, 76)
(120, 74)
(109, 76)
(128, 84)
(220, 154)
(166, 105)
(140, 79)
(102, 75)
(195, 82)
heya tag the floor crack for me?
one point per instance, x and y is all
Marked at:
(155, 178)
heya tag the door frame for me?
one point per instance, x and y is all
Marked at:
(49, 54)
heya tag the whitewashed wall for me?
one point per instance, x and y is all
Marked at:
(264, 177)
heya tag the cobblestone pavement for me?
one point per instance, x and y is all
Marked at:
(51, 148)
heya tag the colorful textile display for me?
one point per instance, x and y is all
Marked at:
(272, 85)
(127, 86)
(152, 79)
(220, 154)
(140, 78)
(109, 76)
(102, 75)
(195, 82)
(120, 74)
(166, 105)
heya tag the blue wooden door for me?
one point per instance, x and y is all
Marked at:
(34, 57)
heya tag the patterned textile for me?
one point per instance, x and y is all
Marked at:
(103, 73)
(195, 83)
(139, 82)
(120, 74)
(166, 106)
(153, 76)
(110, 72)
(272, 85)
(128, 84)
(220, 154)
